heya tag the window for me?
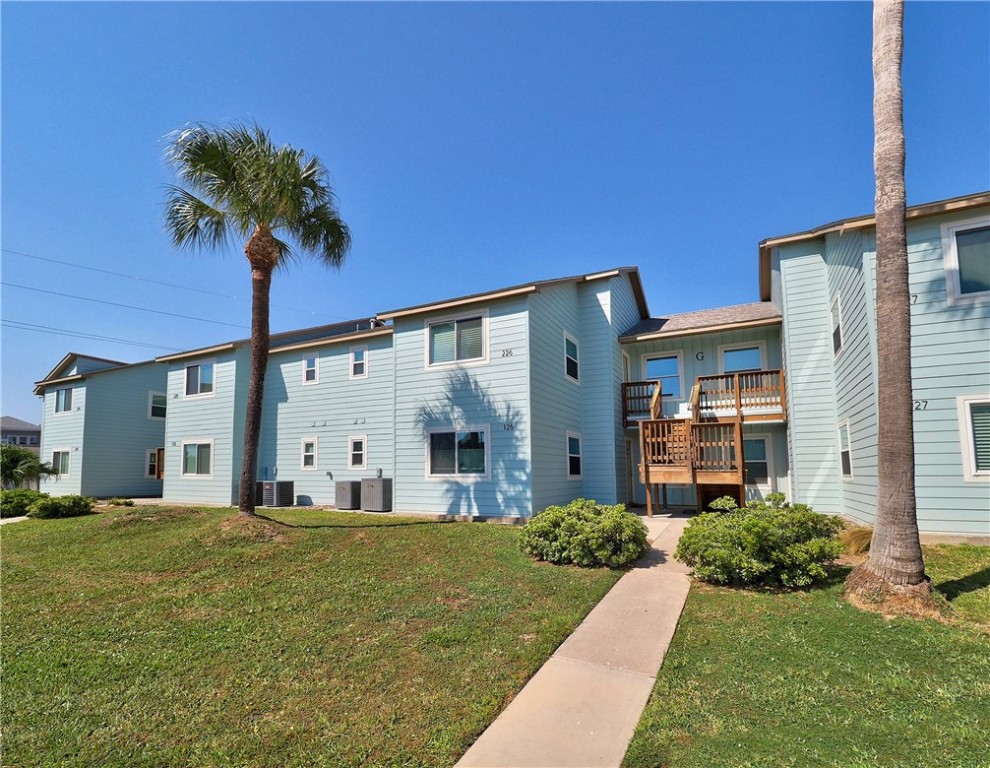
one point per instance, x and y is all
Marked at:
(63, 400)
(311, 373)
(33, 440)
(359, 362)
(22, 440)
(571, 358)
(974, 436)
(966, 249)
(309, 453)
(836, 326)
(199, 379)
(845, 450)
(60, 462)
(151, 463)
(457, 340)
(666, 370)
(462, 452)
(756, 461)
(742, 357)
(573, 456)
(197, 459)
(157, 405)
(357, 452)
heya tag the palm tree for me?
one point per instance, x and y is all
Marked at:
(237, 182)
(895, 562)
(20, 467)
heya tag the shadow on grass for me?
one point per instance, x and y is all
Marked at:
(974, 581)
(392, 523)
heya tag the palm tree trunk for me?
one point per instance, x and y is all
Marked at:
(895, 558)
(261, 281)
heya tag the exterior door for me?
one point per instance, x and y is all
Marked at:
(758, 467)
(159, 463)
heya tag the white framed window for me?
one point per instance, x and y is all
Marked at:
(668, 369)
(836, 316)
(197, 459)
(357, 452)
(571, 366)
(461, 339)
(745, 356)
(199, 379)
(157, 405)
(60, 461)
(966, 258)
(462, 453)
(757, 463)
(22, 440)
(151, 463)
(310, 370)
(33, 440)
(308, 457)
(845, 450)
(573, 456)
(974, 436)
(63, 400)
(359, 363)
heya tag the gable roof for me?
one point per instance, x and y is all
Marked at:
(67, 362)
(861, 222)
(752, 315)
(522, 290)
(17, 425)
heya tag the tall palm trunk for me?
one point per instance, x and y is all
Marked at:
(895, 551)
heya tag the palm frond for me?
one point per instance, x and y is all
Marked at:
(323, 233)
(192, 222)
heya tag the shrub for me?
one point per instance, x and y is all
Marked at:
(761, 544)
(116, 501)
(61, 506)
(585, 533)
(15, 502)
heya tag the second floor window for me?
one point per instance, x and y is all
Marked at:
(63, 400)
(571, 358)
(359, 362)
(457, 340)
(310, 375)
(199, 379)
(666, 370)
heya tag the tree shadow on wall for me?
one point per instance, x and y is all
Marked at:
(464, 402)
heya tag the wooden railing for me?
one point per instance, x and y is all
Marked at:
(715, 447)
(641, 400)
(666, 442)
(746, 390)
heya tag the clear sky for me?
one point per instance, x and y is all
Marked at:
(472, 146)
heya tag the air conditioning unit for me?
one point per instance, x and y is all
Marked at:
(376, 494)
(278, 494)
(348, 494)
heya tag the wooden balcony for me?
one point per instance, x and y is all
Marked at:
(743, 396)
(641, 400)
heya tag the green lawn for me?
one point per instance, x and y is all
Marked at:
(151, 637)
(760, 680)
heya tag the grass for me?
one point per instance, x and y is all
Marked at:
(771, 679)
(162, 637)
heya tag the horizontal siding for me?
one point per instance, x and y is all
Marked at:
(64, 431)
(599, 350)
(625, 314)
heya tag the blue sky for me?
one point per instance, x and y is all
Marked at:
(472, 146)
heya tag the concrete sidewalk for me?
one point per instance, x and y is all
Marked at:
(581, 707)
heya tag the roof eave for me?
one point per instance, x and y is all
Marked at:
(720, 328)
(344, 337)
(199, 352)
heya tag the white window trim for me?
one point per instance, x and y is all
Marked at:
(351, 361)
(568, 454)
(185, 380)
(723, 348)
(151, 400)
(302, 453)
(149, 452)
(679, 354)
(72, 405)
(966, 442)
(838, 437)
(950, 260)
(483, 360)
(837, 304)
(66, 451)
(182, 458)
(316, 370)
(767, 439)
(456, 477)
(350, 451)
(577, 347)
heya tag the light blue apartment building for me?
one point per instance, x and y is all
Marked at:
(500, 403)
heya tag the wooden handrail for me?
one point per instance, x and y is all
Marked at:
(656, 404)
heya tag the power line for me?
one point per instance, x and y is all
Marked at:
(161, 282)
(17, 325)
(124, 306)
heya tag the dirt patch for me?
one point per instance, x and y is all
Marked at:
(868, 592)
(145, 515)
(247, 530)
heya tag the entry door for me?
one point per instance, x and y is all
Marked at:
(758, 468)
(159, 463)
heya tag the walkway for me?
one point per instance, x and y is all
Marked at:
(581, 708)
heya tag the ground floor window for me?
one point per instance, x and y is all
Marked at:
(845, 450)
(309, 453)
(974, 436)
(151, 463)
(573, 455)
(459, 452)
(197, 459)
(60, 462)
(756, 461)
(357, 452)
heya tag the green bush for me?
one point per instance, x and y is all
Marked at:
(585, 533)
(61, 506)
(15, 502)
(116, 501)
(767, 544)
